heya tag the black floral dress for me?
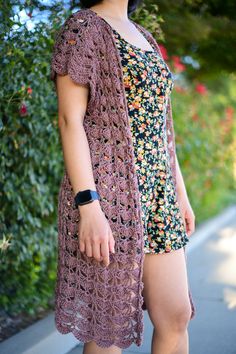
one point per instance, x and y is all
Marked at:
(148, 82)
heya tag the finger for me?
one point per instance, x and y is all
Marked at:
(105, 252)
(81, 246)
(191, 226)
(96, 251)
(111, 243)
(88, 249)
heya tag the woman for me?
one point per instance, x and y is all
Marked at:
(124, 214)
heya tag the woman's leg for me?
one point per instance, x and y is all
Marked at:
(167, 300)
(92, 348)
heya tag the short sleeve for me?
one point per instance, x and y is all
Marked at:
(72, 52)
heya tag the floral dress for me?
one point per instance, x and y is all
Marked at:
(148, 82)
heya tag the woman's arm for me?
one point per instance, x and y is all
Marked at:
(185, 207)
(72, 103)
(180, 185)
(95, 235)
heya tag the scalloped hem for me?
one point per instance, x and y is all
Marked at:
(101, 343)
(77, 80)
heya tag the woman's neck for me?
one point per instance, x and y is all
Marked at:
(117, 10)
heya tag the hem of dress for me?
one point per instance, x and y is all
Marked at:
(101, 343)
(181, 245)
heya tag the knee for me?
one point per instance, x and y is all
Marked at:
(180, 318)
(175, 320)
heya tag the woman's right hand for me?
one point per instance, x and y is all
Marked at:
(95, 235)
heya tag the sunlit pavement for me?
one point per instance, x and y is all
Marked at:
(212, 274)
(211, 259)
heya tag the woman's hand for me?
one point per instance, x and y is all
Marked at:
(95, 235)
(187, 213)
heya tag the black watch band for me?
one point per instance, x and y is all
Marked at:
(85, 197)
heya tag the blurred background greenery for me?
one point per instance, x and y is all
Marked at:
(198, 41)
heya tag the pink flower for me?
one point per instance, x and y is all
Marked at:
(23, 110)
(163, 52)
(201, 89)
(29, 90)
(177, 64)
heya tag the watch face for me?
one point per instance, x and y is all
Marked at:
(85, 196)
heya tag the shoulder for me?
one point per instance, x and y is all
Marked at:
(74, 49)
(75, 35)
(77, 25)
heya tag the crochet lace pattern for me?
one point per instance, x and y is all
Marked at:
(94, 302)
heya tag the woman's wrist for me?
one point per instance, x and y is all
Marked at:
(90, 207)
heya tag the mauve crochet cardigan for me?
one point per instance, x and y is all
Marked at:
(94, 302)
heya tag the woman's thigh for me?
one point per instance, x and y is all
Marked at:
(166, 289)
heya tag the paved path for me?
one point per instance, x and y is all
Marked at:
(212, 273)
(212, 277)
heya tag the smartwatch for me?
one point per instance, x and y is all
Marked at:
(85, 197)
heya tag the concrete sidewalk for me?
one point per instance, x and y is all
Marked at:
(212, 273)
(211, 257)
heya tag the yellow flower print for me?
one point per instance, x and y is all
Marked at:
(141, 118)
(140, 157)
(127, 82)
(162, 181)
(167, 248)
(143, 170)
(140, 91)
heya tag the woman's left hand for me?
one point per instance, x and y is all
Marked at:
(187, 213)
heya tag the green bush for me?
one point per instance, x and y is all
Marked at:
(205, 143)
(31, 169)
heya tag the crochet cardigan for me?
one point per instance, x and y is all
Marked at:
(95, 302)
